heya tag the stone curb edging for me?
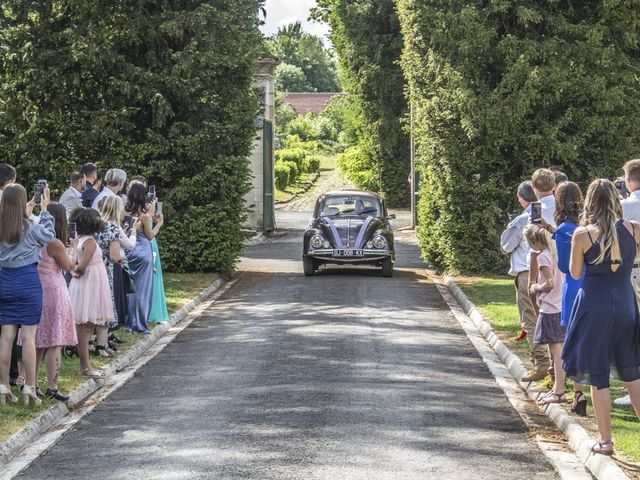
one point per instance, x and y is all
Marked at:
(603, 467)
(312, 182)
(45, 420)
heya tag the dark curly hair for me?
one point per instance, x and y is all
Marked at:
(87, 220)
(136, 199)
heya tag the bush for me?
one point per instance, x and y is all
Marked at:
(500, 88)
(161, 89)
(312, 164)
(295, 155)
(294, 171)
(282, 175)
(355, 163)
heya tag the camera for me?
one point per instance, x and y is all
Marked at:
(621, 186)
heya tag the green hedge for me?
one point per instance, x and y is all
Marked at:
(282, 175)
(295, 155)
(162, 89)
(500, 88)
(354, 162)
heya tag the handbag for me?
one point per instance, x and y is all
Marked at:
(127, 282)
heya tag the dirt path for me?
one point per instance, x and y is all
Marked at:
(328, 180)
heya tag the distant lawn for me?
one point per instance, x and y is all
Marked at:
(299, 186)
(180, 288)
(495, 298)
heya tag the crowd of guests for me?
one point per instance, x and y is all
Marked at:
(71, 276)
(578, 288)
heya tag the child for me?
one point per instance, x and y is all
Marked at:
(548, 291)
(21, 241)
(56, 329)
(89, 287)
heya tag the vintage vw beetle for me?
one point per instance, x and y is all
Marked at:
(349, 227)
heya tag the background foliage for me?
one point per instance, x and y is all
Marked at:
(366, 35)
(159, 88)
(307, 65)
(500, 88)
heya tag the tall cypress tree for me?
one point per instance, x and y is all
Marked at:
(367, 38)
(159, 88)
(503, 87)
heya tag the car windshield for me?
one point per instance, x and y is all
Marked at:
(350, 205)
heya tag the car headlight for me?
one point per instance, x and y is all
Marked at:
(379, 242)
(369, 245)
(317, 241)
(326, 244)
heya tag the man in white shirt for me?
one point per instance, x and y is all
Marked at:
(512, 241)
(631, 211)
(7, 176)
(115, 180)
(72, 197)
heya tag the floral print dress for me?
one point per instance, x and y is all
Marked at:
(111, 233)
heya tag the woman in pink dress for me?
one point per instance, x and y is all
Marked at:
(89, 287)
(56, 328)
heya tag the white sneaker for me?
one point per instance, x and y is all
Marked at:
(626, 400)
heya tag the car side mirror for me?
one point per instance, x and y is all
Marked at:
(391, 216)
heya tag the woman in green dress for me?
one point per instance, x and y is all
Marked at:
(159, 312)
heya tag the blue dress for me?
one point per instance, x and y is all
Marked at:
(563, 236)
(604, 329)
(159, 312)
(140, 262)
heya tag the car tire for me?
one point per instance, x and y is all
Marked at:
(387, 267)
(309, 266)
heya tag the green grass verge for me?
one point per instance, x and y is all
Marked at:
(299, 186)
(495, 298)
(179, 290)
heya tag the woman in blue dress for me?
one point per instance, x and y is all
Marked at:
(569, 204)
(140, 258)
(159, 312)
(604, 328)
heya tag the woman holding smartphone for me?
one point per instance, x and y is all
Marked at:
(21, 242)
(159, 312)
(140, 258)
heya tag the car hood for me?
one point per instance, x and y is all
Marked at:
(347, 232)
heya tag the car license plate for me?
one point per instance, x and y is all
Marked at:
(348, 253)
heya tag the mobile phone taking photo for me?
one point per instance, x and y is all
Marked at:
(536, 212)
(72, 232)
(159, 208)
(128, 222)
(39, 191)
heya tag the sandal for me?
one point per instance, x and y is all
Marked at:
(552, 398)
(91, 373)
(603, 447)
(579, 406)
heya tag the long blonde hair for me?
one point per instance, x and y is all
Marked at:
(602, 208)
(536, 235)
(13, 213)
(112, 209)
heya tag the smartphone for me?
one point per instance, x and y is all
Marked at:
(151, 194)
(536, 212)
(39, 191)
(159, 208)
(72, 232)
(127, 222)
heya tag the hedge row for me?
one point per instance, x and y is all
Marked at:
(500, 88)
(291, 163)
(162, 89)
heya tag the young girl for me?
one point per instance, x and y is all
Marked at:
(89, 287)
(548, 291)
(21, 241)
(56, 329)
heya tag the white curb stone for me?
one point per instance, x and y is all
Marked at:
(603, 467)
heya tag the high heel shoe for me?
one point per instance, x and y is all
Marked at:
(56, 395)
(6, 395)
(29, 396)
(579, 406)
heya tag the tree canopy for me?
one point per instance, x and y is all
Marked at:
(159, 88)
(307, 65)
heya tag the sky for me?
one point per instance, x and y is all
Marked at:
(283, 12)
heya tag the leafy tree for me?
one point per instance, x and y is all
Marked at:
(500, 88)
(366, 35)
(296, 47)
(159, 88)
(291, 78)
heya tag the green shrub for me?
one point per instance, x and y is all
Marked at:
(312, 164)
(161, 89)
(282, 175)
(294, 170)
(295, 155)
(355, 163)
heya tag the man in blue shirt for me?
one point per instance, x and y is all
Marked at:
(89, 193)
(512, 241)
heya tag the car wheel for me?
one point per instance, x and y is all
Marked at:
(309, 266)
(387, 267)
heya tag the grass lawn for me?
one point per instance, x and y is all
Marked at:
(299, 186)
(179, 289)
(495, 298)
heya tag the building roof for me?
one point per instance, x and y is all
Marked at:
(305, 102)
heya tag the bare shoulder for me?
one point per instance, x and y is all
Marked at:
(55, 247)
